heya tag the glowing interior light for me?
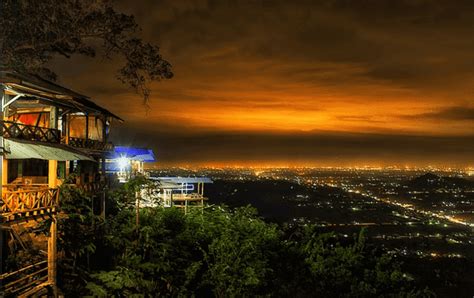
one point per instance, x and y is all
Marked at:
(123, 163)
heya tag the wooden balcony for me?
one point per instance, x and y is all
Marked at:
(28, 203)
(30, 133)
(90, 144)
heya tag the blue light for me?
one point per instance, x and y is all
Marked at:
(138, 154)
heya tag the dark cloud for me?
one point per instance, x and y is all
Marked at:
(450, 114)
(314, 148)
(398, 40)
(365, 119)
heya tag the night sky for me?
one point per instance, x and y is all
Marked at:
(317, 83)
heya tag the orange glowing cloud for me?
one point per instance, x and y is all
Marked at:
(298, 68)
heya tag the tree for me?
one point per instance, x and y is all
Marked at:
(215, 252)
(33, 32)
(225, 252)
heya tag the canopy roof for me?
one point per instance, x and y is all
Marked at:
(167, 185)
(15, 149)
(32, 86)
(180, 180)
(133, 153)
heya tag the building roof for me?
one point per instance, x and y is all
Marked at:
(16, 149)
(189, 180)
(36, 87)
(133, 153)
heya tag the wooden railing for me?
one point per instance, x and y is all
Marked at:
(17, 282)
(24, 186)
(29, 202)
(90, 144)
(90, 188)
(187, 197)
(186, 201)
(30, 133)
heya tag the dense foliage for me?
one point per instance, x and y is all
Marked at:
(213, 252)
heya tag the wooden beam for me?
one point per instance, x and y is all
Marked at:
(38, 119)
(52, 255)
(87, 127)
(53, 118)
(4, 171)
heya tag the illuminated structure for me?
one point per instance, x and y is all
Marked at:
(180, 192)
(125, 161)
(48, 131)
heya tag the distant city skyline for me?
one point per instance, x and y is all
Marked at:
(299, 83)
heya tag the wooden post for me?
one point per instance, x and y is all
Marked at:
(53, 164)
(52, 183)
(104, 194)
(3, 99)
(4, 172)
(53, 118)
(137, 220)
(52, 255)
(104, 129)
(67, 169)
(87, 127)
(103, 180)
(202, 205)
(53, 173)
(66, 128)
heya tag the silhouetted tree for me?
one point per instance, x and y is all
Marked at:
(33, 32)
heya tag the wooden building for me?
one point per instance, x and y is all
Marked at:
(47, 132)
